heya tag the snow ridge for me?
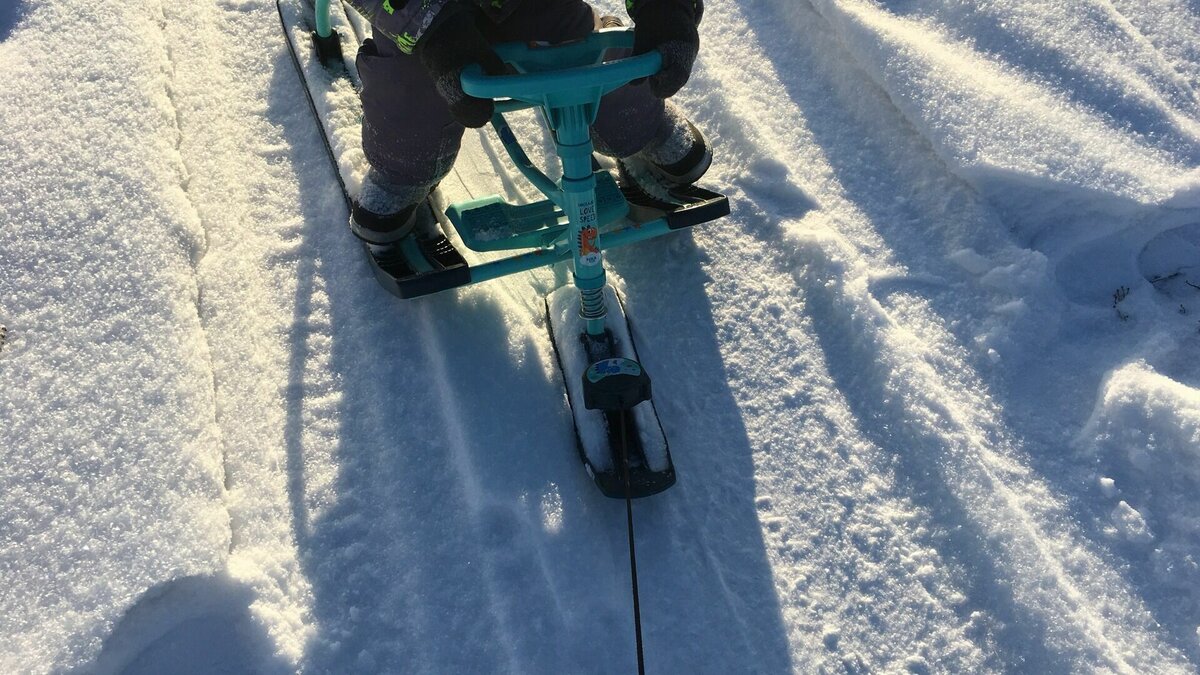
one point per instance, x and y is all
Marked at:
(194, 213)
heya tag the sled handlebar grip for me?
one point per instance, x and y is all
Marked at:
(542, 76)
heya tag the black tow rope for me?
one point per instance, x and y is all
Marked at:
(637, 608)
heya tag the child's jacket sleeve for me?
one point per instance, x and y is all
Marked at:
(402, 21)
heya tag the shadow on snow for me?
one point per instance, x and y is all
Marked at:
(11, 12)
(198, 624)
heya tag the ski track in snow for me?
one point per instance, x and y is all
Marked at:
(870, 477)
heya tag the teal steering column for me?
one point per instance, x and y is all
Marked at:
(321, 19)
(567, 83)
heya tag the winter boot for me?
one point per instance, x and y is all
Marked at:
(384, 215)
(655, 180)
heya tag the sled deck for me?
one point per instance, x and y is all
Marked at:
(690, 205)
(491, 224)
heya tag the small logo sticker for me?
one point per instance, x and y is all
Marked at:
(589, 252)
(608, 367)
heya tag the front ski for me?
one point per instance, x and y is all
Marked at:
(331, 84)
(602, 435)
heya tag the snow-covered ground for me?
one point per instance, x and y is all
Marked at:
(932, 390)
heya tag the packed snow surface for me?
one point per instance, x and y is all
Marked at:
(932, 390)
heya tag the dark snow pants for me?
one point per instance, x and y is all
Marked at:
(408, 133)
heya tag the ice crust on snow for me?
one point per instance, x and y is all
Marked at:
(1148, 422)
(1145, 432)
(1108, 486)
(1130, 524)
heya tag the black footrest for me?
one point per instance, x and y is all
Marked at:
(401, 278)
(704, 205)
(428, 283)
(690, 205)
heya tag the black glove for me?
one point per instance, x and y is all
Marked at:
(670, 27)
(451, 44)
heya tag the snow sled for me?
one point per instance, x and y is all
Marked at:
(620, 438)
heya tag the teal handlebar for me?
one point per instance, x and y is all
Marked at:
(550, 70)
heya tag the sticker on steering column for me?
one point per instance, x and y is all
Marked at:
(589, 247)
(589, 252)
